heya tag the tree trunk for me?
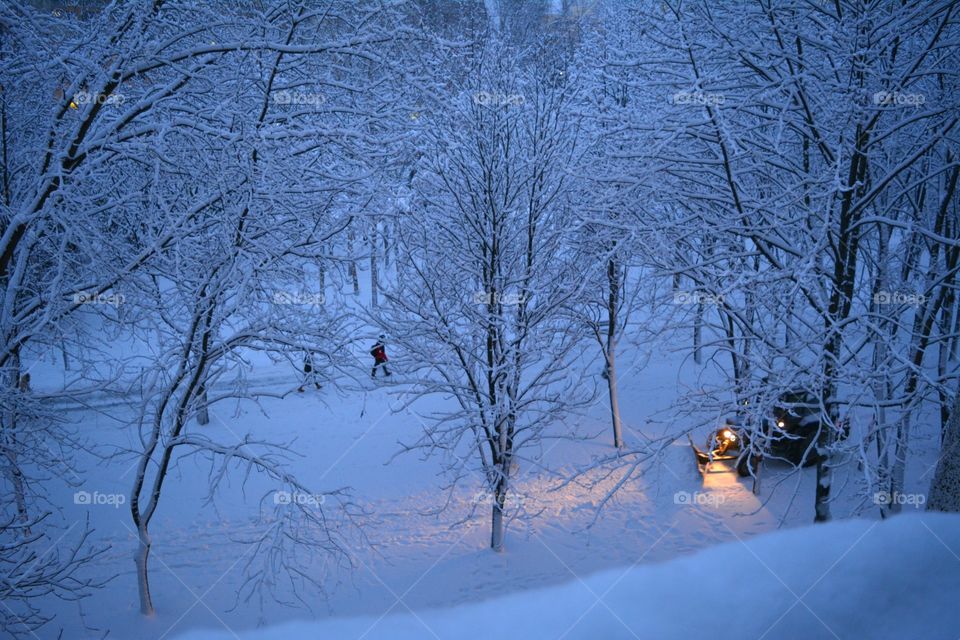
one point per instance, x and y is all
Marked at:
(374, 271)
(610, 351)
(614, 399)
(922, 331)
(143, 582)
(824, 482)
(945, 486)
(898, 473)
(386, 245)
(946, 356)
(698, 335)
(496, 521)
(827, 437)
(883, 388)
(354, 279)
(955, 340)
(19, 486)
(16, 475)
(203, 413)
(943, 363)
(787, 321)
(322, 274)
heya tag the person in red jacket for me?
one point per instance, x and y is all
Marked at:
(379, 354)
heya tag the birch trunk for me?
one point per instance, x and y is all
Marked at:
(610, 350)
(614, 398)
(141, 557)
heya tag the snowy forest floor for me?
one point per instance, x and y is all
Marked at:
(426, 550)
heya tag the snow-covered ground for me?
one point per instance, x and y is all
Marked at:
(424, 550)
(854, 579)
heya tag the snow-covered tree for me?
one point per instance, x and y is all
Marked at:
(187, 167)
(486, 277)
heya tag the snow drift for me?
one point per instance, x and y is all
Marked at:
(898, 578)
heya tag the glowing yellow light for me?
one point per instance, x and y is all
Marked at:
(781, 423)
(73, 105)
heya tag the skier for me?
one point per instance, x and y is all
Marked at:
(309, 372)
(379, 354)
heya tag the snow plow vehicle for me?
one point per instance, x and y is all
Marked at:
(724, 444)
(789, 434)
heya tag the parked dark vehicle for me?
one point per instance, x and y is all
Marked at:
(789, 434)
(792, 432)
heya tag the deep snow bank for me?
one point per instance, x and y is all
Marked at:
(852, 579)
